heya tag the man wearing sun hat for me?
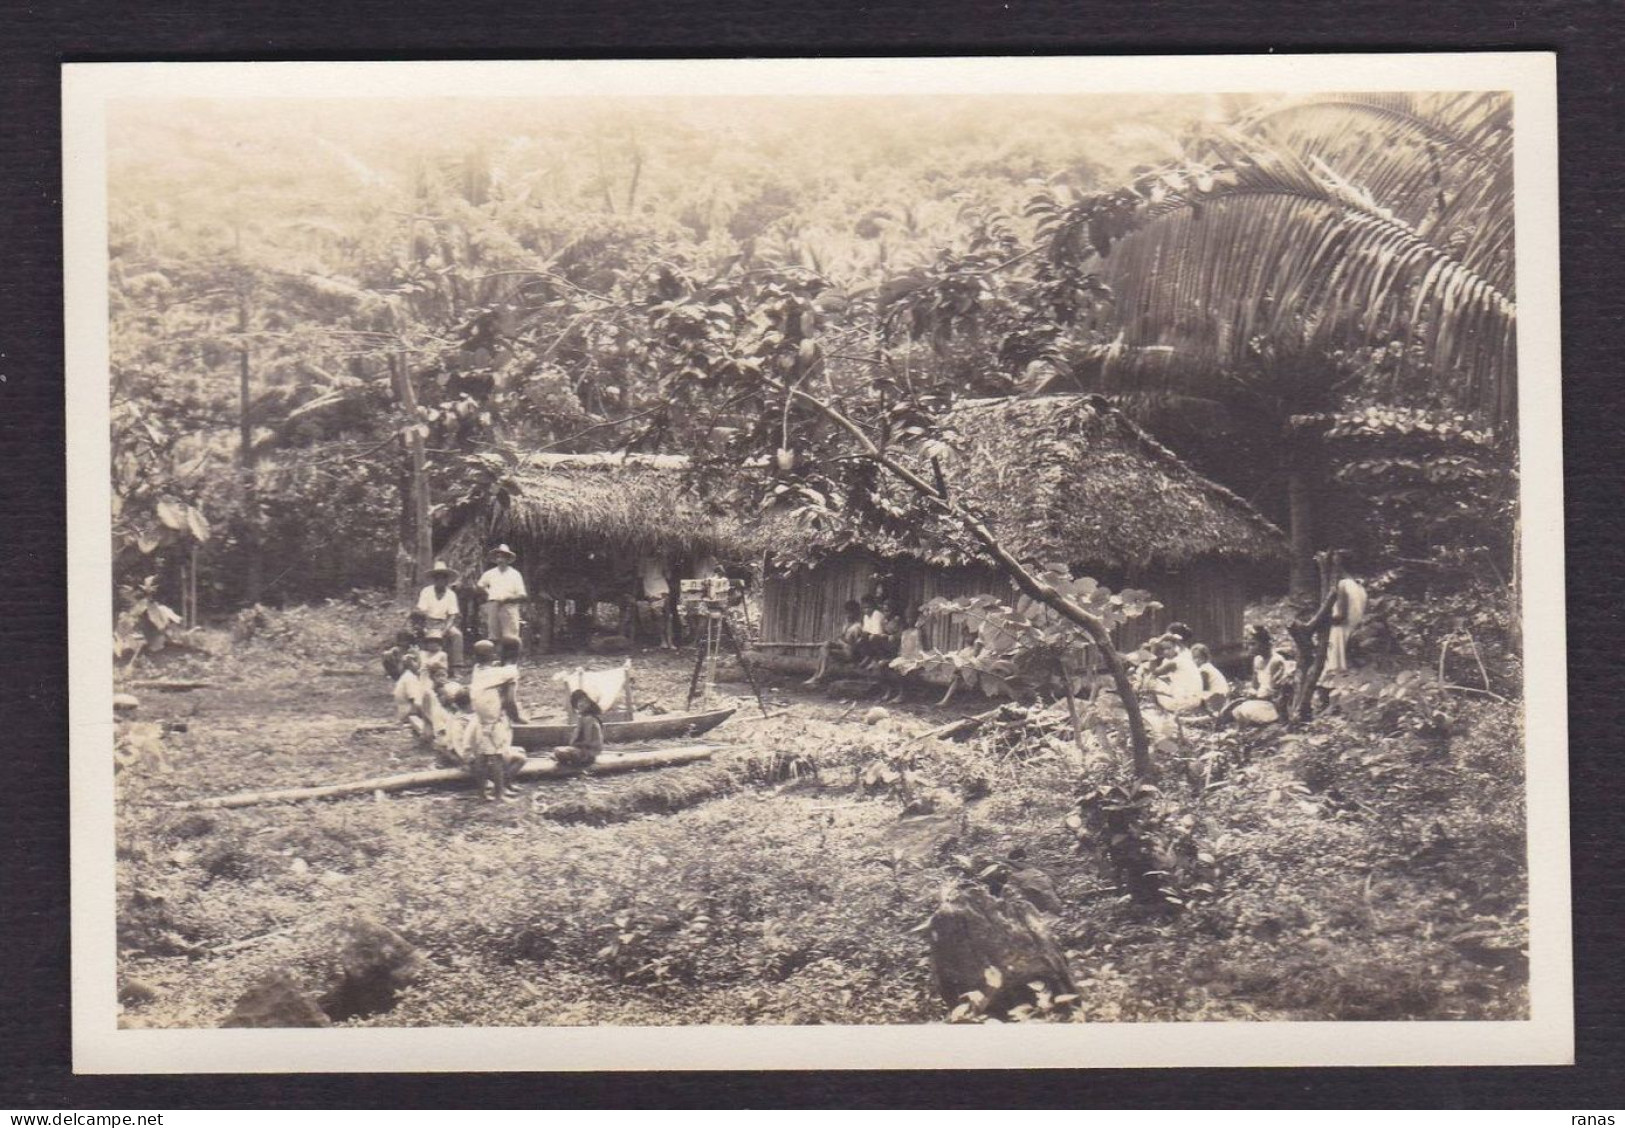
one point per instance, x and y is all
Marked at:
(438, 605)
(504, 590)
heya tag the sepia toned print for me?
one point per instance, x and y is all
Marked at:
(821, 559)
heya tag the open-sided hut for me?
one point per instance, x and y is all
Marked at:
(589, 528)
(1059, 478)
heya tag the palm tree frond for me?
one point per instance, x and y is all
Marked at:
(1280, 248)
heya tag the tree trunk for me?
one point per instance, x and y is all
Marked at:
(416, 555)
(1018, 573)
(1077, 720)
(254, 572)
(405, 566)
(1310, 638)
(541, 767)
(1300, 516)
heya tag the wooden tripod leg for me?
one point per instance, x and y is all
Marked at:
(694, 679)
(750, 674)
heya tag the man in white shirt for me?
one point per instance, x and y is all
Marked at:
(504, 590)
(437, 603)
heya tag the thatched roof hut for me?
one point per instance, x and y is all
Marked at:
(1062, 478)
(582, 524)
(1069, 478)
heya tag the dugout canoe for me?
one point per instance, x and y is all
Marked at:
(667, 726)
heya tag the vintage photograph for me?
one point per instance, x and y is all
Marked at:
(816, 559)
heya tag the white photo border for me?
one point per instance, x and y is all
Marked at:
(99, 1046)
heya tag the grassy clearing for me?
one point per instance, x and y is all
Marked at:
(1357, 876)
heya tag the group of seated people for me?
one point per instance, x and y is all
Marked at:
(874, 638)
(471, 726)
(1182, 677)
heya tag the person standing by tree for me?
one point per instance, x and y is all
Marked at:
(438, 605)
(1348, 609)
(504, 590)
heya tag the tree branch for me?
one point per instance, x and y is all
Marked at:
(1024, 579)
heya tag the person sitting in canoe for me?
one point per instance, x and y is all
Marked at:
(588, 738)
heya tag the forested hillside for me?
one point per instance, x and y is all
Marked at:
(276, 269)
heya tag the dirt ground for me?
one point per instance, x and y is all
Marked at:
(514, 903)
(768, 885)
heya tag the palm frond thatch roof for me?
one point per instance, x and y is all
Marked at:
(1070, 478)
(632, 503)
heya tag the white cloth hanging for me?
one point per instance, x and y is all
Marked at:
(607, 688)
(653, 572)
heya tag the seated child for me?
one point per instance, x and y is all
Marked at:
(450, 728)
(494, 759)
(909, 649)
(890, 643)
(843, 646)
(408, 691)
(436, 663)
(417, 700)
(405, 642)
(1215, 686)
(873, 646)
(1267, 698)
(588, 739)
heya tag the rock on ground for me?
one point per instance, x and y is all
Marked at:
(136, 992)
(375, 963)
(276, 1001)
(996, 946)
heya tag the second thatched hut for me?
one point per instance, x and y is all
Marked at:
(1063, 478)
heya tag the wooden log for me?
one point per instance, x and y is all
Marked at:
(783, 663)
(797, 664)
(538, 767)
(169, 685)
(954, 728)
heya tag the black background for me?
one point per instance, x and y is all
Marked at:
(34, 936)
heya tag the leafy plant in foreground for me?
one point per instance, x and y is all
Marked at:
(1150, 844)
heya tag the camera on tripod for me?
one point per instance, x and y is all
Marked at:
(713, 596)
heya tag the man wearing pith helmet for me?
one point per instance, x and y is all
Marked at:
(504, 590)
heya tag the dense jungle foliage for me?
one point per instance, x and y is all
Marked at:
(310, 299)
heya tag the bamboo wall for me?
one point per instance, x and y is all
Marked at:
(804, 607)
